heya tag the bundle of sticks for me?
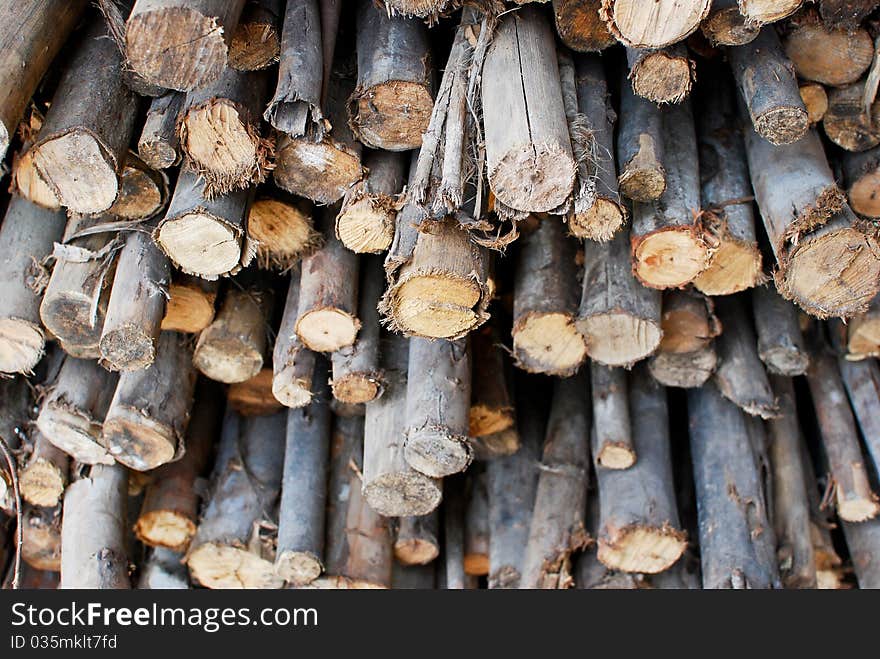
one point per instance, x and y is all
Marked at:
(440, 294)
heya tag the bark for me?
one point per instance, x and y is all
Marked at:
(158, 144)
(281, 226)
(861, 173)
(822, 53)
(780, 343)
(416, 541)
(254, 397)
(190, 304)
(476, 524)
(492, 415)
(612, 440)
(686, 356)
(862, 383)
(662, 76)
(255, 44)
(44, 476)
(292, 362)
(580, 27)
(641, 150)
(653, 26)
(726, 26)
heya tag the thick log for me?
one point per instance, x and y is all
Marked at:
(726, 26)
(143, 191)
(41, 537)
(43, 478)
(190, 305)
(815, 99)
(27, 235)
(256, 42)
(452, 574)
(282, 228)
(655, 25)
(846, 121)
(845, 14)
(163, 570)
(640, 147)
(292, 362)
(612, 440)
(416, 539)
(662, 76)
(580, 26)
(492, 415)
(769, 88)
(26, 181)
(640, 530)
(180, 44)
(861, 173)
(863, 333)
(158, 144)
(863, 542)
(761, 12)
(254, 397)
(736, 537)
(686, 356)
(780, 342)
(476, 524)
(528, 150)
(831, 56)
(94, 530)
(234, 544)
(862, 383)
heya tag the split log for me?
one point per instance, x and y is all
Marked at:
(292, 362)
(846, 121)
(365, 223)
(660, 24)
(612, 441)
(640, 147)
(232, 348)
(180, 44)
(845, 14)
(492, 416)
(33, 34)
(416, 542)
(145, 425)
(640, 530)
(736, 537)
(205, 237)
(545, 339)
(815, 99)
(41, 537)
(686, 356)
(863, 542)
(390, 486)
(163, 570)
(861, 172)
(740, 376)
(281, 226)
(780, 343)
(158, 144)
(528, 148)
(27, 235)
(256, 42)
(661, 76)
(831, 56)
(93, 531)
(219, 129)
(862, 383)
(790, 504)
(43, 478)
(580, 27)
(769, 88)
(83, 142)
(726, 26)
(619, 318)
(356, 374)
(169, 513)
(300, 548)
(668, 248)
(476, 525)
(26, 181)
(190, 305)
(391, 105)
(234, 544)
(761, 12)
(557, 528)
(73, 411)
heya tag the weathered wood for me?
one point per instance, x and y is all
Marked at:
(845, 14)
(492, 415)
(591, 573)
(640, 147)
(428, 9)
(780, 343)
(453, 535)
(292, 362)
(862, 383)
(254, 397)
(726, 26)
(863, 542)
(847, 122)
(662, 76)
(158, 144)
(655, 25)
(416, 539)
(831, 56)
(612, 441)
(815, 99)
(829, 565)
(44, 476)
(256, 42)
(861, 173)
(863, 333)
(281, 227)
(163, 570)
(476, 524)
(761, 12)
(41, 537)
(143, 191)
(580, 26)
(190, 305)
(686, 356)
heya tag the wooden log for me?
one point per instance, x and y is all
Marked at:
(686, 356)
(668, 248)
(163, 570)
(662, 76)
(41, 537)
(292, 362)
(861, 173)
(863, 542)
(476, 524)
(528, 150)
(829, 570)
(233, 547)
(736, 543)
(143, 191)
(845, 14)
(34, 32)
(391, 105)
(545, 339)
(390, 486)
(26, 181)
(356, 374)
(219, 129)
(254, 397)
(145, 425)
(73, 411)
(256, 42)
(740, 376)
(863, 333)
(452, 574)
(557, 528)
(726, 26)
(190, 305)
(44, 476)
(790, 505)
(815, 99)
(282, 228)
(232, 348)
(861, 380)
(365, 223)
(640, 147)
(761, 12)
(612, 441)
(82, 144)
(416, 539)
(93, 534)
(299, 555)
(33, 579)
(27, 235)
(580, 27)
(640, 530)
(16, 411)
(428, 9)
(767, 84)
(653, 26)
(831, 56)
(780, 343)
(591, 573)
(492, 413)
(846, 121)
(179, 44)
(158, 144)
(205, 237)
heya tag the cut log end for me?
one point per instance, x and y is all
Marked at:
(670, 258)
(437, 305)
(662, 78)
(138, 442)
(735, 266)
(190, 309)
(357, 387)
(857, 509)
(201, 244)
(157, 153)
(785, 360)
(393, 115)
(283, 233)
(79, 171)
(367, 225)
(548, 343)
(487, 420)
(476, 565)
(42, 483)
(863, 194)
(685, 370)
(603, 219)
(127, 348)
(815, 99)
(327, 330)
(782, 125)
(227, 361)
(415, 551)
(642, 181)
(293, 394)
(320, 171)
(581, 28)
(75, 433)
(728, 27)
(140, 195)
(403, 494)
(254, 46)
(22, 344)
(620, 339)
(549, 185)
(253, 397)
(298, 567)
(219, 566)
(660, 24)
(616, 455)
(165, 528)
(762, 12)
(436, 452)
(648, 550)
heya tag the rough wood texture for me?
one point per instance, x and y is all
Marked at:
(654, 25)
(863, 541)
(831, 56)
(761, 12)
(254, 397)
(476, 524)
(158, 144)
(726, 26)
(780, 343)
(292, 362)
(256, 42)
(686, 356)
(845, 14)
(863, 333)
(163, 570)
(180, 44)
(846, 121)
(190, 305)
(492, 414)
(427, 9)
(612, 441)
(416, 541)
(661, 76)
(143, 191)
(41, 537)
(861, 173)
(281, 227)
(640, 147)
(862, 382)
(580, 26)
(44, 476)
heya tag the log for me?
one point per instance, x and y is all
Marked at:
(365, 223)
(234, 544)
(130, 336)
(256, 42)
(845, 14)
(232, 348)
(41, 537)
(453, 536)
(612, 440)
(861, 380)
(414, 577)
(831, 56)
(158, 144)
(618, 317)
(640, 530)
(163, 570)
(592, 574)
(416, 539)
(328, 295)
(668, 248)
(545, 338)
(282, 228)
(861, 173)
(815, 99)
(391, 104)
(660, 24)
(780, 343)
(169, 513)
(390, 486)
(292, 362)
(190, 304)
(73, 411)
(43, 478)
(662, 76)
(299, 555)
(790, 504)
(205, 237)
(356, 374)
(16, 410)
(33, 34)
(254, 397)
(863, 333)
(26, 181)
(427, 9)
(145, 425)
(26, 238)
(143, 191)
(82, 144)
(736, 537)
(761, 12)
(726, 26)
(863, 541)
(846, 121)
(93, 532)
(686, 356)
(580, 27)
(557, 528)
(528, 150)
(640, 147)
(492, 415)
(179, 44)
(829, 570)
(476, 525)
(768, 86)
(33, 579)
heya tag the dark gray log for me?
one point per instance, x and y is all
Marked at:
(780, 342)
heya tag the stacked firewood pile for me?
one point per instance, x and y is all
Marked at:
(435, 294)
